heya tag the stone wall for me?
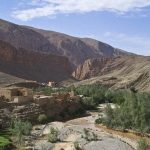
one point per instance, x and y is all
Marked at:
(20, 100)
(27, 112)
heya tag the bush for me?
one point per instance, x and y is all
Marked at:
(143, 145)
(117, 97)
(89, 103)
(89, 136)
(45, 90)
(4, 143)
(19, 129)
(99, 121)
(43, 119)
(53, 135)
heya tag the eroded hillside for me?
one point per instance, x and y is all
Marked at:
(119, 72)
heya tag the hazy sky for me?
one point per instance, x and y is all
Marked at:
(122, 23)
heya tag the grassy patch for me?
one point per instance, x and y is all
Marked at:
(5, 139)
(4, 143)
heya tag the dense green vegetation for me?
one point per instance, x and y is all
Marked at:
(96, 94)
(133, 113)
(48, 90)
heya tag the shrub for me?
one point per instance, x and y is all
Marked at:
(89, 136)
(89, 103)
(53, 135)
(4, 143)
(19, 129)
(99, 121)
(42, 118)
(143, 145)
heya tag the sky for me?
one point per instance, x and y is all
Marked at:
(124, 24)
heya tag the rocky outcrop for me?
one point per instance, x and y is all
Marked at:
(33, 65)
(91, 68)
(119, 72)
(77, 50)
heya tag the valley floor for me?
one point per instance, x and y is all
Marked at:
(73, 132)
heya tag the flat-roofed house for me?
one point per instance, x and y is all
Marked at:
(17, 95)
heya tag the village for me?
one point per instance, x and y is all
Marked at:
(68, 122)
(25, 104)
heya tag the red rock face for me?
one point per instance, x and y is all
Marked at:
(90, 68)
(33, 65)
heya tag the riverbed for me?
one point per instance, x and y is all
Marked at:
(72, 132)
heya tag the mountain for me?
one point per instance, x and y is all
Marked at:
(33, 65)
(118, 72)
(77, 50)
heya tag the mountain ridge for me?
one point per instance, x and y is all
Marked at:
(41, 55)
(77, 50)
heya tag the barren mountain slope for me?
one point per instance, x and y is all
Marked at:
(77, 50)
(33, 65)
(119, 72)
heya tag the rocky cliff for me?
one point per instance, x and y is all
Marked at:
(33, 65)
(91, 68)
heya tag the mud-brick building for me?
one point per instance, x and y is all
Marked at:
(52, 84)
(17, 95)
